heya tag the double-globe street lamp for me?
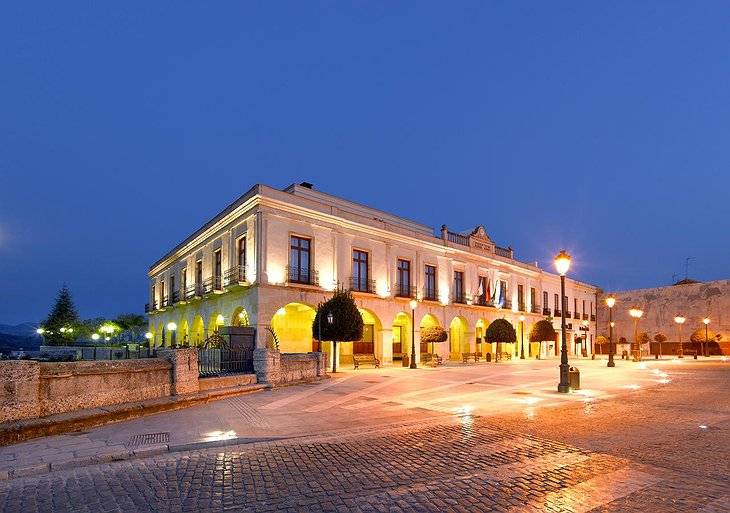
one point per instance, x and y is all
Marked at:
(636, 313)
(562, 264)
(679, 319)
(413, 304)
(706, 352)
(610, 301)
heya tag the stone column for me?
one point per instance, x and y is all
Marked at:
(321, 363)
(267, 365)
(184, 373)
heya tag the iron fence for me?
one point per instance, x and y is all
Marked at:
(219, 362)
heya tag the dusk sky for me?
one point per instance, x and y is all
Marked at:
(598, 127)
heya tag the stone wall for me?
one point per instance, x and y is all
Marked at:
(19, 382)
(661, 304)
(275, 368)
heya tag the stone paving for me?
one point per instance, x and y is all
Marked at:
(658, 448)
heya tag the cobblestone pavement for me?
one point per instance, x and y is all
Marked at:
(659, 449)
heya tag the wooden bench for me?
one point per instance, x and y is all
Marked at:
(465, 357)
(504, 355)
(357, 359)
(432, 358)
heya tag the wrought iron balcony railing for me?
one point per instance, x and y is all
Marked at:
(403, 290)
(585, 316)
(483, 301)
(521, 306)
(302, 276)
(459, 299)
(546, 311)
(147, 308)
(593, 318)
(576, 315)
(430, 294)
(176, 297)
(359, 284)
(535, 309)
(194, 290)
(568, 314)
(164, 302)
(236, 275)
(557, 313)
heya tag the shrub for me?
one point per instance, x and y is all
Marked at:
(643, 338)
(434, 334)
(542, 331)
(660, 337)
(501, 330)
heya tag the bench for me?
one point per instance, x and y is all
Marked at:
(431, 358)
(687, 352)
(357, 359)
(465, 357)
(502, 356)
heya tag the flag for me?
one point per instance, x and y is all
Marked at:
(480, 291)
(489, 291)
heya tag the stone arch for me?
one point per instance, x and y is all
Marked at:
(458, 340)
(160, 336)
(183, 337)
(240, 317)
(372, 337)
(480, 329)
(401, 340)
(197, 331)
(216, 321)
(428, 321)
(292, 324)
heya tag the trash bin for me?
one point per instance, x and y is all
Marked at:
(406, 361)
(574, 378)
(489, 357)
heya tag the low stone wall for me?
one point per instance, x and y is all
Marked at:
(274, 368)
(235, 380)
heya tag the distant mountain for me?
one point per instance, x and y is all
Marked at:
(20, 335)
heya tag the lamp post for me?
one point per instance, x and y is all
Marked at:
(679, 319)
(413, 304)
(562, 264)
(610, 301)
(636, 313)
(330, 321)
(706, 352)
(522, 337)
(585, 329)
(171, 327)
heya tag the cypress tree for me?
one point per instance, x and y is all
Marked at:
(63, 323)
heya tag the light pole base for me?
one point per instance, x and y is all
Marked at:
(611, 364)
(413, 364)
(563, 389)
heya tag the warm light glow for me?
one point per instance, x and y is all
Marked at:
(613, 324)
(585, 323)
(281, 311)
(219, 319)
(610, 301)
(522, 318)
(220, 435)
(171, 326)
(679, 319)
(95, 336)
(706, 320)
(636, 312)
(413, 304)
(240, 316)
(148, 335)
(562, 263)
(63, 330)
(40, 331)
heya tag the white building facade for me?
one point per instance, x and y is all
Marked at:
(272, 256)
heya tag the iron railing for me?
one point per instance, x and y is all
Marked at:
(482, 301)
(457, 238)
(521, 306)
(147, 308)
(164, 302)
(194, 290)
(459, 298)
(568, 314)
(430, 294)
(360, 284)
(503, 252)
(302, 275)
(558, 313)
(593, 318)
(235, 275)
(219, 362)
(546, 311)
(176, 296)
(535, 308)
(585, 316)
(403, 290)
(576, 315)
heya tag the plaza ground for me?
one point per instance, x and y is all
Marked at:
(466, 437)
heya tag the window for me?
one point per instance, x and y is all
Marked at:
(241, 258)
(429, 290)
(184, 278)
(172, 288)
(360, 271)
(557, 303)
(404, 278)
(458, 287)
(217, 270)
(154, 298)
(482, 292)
(299, 259)
(533, 298)
(163, 297)
(199, 275)
(521, 296)
(502, 293)
(575, 305)
(591, 308)
(584, 307)
(545, 302)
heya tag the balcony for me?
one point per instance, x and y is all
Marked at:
(403, 290)
(546, 311)
(483, 301)
(585, 316)
(557, 313)
(504, 252)
(576, 315)
(506, 304)
(177, 297)
(302, 276)
(362, 285)
(568, 314)
(430, 294)
(593, 318)
(194, 291)
(147, 308)
(521, 306)
(235, 276)
(535, 309)
(459, 299)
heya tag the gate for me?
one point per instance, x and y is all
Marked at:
(227, 351)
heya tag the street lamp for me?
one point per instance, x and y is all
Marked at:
(171, 327)
(562, 264)
(522, 337)
(148, 336)
(330, 320)
(679, 319)
(636, 313)
(413, 304)
(585, 329)
(706, 320)
(610, 301)
(95, 337)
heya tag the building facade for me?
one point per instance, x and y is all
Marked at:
(694, 301)
(272, 256)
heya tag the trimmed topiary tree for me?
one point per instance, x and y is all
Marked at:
(698, 338)
(600, 340)
(346, 325)
(660, 338)
(434, 334)
(540, 332)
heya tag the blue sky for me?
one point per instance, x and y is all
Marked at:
(598, 127)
